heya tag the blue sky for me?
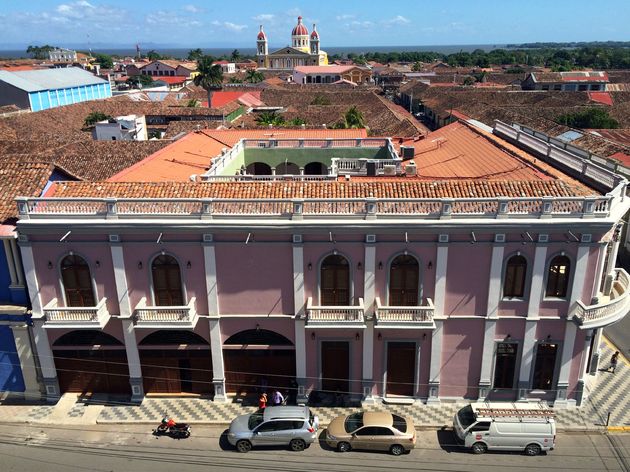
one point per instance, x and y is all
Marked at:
(340, 22)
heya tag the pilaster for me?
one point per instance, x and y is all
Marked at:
(46, 361)
(24, 349)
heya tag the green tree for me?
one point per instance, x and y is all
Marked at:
(209, 77)
(193, 103)
(139, 81)
(195, 54)
(297, 121)
(153, 55)
(417, 66)
(235, 80)
(94, 117)
(353, 118)
(270, 118)
(321, 100)
(591, 118)
(468, 80)
(104, 60)
(39, 52)
(236, 55)
(254, 77)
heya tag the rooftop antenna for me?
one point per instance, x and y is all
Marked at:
(89, 45)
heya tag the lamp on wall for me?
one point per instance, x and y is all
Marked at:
(359, 266)
(309, 266)
(379, 337)
(50, 264)
(313, 335)
(508, 337)
(430, 265)
(188, 265)
(257, 327)
(357, 336)
(97, 264)
(139, 264)
(380, 265)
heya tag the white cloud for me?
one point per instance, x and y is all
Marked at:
(264, 17)
(228, 25)
(167, 18)
(344, 17)
(397, 20)
(193, 9)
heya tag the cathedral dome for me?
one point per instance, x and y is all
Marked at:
(300, 29)
(261, 34)
(314, 34)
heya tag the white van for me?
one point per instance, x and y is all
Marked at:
(528, 427)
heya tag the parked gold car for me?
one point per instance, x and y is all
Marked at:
(372, 430)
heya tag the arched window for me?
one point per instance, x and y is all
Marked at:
(258, 168)
(335, 281)
(514, 283)
(558, 277)
(167, 282)
(404, 274)
(288, 168)
(77, 281)
(315, 168)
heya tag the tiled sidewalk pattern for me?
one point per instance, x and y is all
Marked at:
(610, 395)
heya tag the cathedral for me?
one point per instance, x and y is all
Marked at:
(304, 50)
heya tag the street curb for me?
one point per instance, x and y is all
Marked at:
(617, 429)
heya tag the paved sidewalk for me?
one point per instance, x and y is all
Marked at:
(610, 395)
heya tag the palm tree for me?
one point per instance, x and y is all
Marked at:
(210, 76)
(270, 118)
(353, 118)
(254, 77)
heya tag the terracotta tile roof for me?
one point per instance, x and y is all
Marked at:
(383, 188)
(20, 178)
(601, 97)
(223, 97)
(192, 153)
(171, 80)
(336, 69)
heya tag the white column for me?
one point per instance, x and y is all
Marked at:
(8, 252)
(485, 379)
(583, 368)
(126, 318)
(441, 263)
(26, 355)
(601, 261)
(133, 360)
(538, 277)
(31, 279)
(529, 344)
(494, 284)
(19, 270)
(300, 321)
(571, 329)
(216, 343)
(120, 277)
(46, 361)
(369, 295)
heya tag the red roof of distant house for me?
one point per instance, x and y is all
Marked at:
(222, 62)
(172, 80)
(223, 97)
(601, 97)
(621, 157)
(323, 69)
(18, 68)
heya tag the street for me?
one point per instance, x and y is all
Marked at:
(619, 334)
(124, 448)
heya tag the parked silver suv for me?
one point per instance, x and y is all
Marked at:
(294, 426)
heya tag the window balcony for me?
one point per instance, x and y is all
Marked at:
(76, 317)
(164, 317)
(405, 316)
(335, 316)
(611, 309)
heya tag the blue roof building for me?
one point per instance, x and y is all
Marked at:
(41, 89)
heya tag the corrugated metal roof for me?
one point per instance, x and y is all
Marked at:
(50, 79)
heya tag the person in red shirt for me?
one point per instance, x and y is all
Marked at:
(262, 401)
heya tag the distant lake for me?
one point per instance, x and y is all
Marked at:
(183, 52)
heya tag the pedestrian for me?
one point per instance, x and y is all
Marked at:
(613, 361)
(277, 398)
(262, 401)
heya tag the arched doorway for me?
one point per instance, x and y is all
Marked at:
(258, 168)
(167, 281)
(315, 168)
(288, 168)
(404, 273)
(258, 359)
(335, 281)
(77, 281)
(90, 361)
(176, 361)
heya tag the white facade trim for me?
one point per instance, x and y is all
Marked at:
(210, 269)
(9, 257)
(494, 284)
(527, 358)
(369, 286)
(538, 278)
(44, 352)
(299, 298)
(485, 378)
(216, 351)
(33, 287)
(26, 355)
(120, 276)
(440, 278)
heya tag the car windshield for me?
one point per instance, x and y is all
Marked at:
(466, 416)
(353, 422)
(254, 420)
(400, 423)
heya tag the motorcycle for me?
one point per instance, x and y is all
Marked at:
(169, 427)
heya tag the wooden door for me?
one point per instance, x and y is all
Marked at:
(335, 281)
(249, 370)
(91, 371)
(401, 367)
(335, 366)
(403, 281)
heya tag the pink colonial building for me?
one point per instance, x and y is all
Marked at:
(471, 264)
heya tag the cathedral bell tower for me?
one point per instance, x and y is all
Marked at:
(314, 41)
(261, 42)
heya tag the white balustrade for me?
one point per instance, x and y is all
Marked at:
(164, 316)
(603, 314)
(405, 316)
(334, 315)
(76, 317)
